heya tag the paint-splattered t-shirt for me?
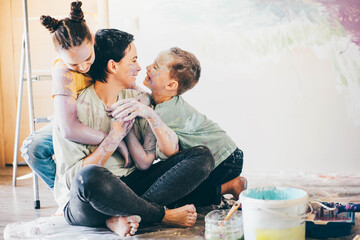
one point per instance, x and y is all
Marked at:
(194, 128)
(69, 155)
(73, 82)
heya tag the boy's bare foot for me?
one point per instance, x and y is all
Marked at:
(124, 226)
(234, 187)
(184, 216)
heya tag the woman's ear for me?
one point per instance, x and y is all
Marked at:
(172, 85)
(111, 66)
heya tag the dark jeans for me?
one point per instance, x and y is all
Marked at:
(209, 191)
(96, 194)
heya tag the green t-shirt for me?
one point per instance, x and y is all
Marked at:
(69, 155)
(194, 128)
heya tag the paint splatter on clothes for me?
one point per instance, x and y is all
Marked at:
(194, 128)
(72, 84)
(69, 155)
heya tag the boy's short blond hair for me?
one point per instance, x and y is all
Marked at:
(185, 69)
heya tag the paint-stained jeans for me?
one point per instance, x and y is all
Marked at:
(37, 150)
(209, 192)
(96, 193)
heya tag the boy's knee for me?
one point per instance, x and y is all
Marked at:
(206, 158)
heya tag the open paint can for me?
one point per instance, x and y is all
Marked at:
(274, 213)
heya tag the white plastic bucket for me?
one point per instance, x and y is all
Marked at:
(271, 213)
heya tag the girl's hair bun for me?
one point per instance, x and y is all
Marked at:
(50, 23)
(76, 14)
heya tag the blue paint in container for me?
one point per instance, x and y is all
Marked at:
(274, 213)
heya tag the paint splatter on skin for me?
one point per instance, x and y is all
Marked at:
(133, 70)
(129, 109)
(158, 72)
(119, 129)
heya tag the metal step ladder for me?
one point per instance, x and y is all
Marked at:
(25, 57)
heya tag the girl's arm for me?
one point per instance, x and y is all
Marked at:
(66, 109)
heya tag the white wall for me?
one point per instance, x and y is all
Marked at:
(280, 78)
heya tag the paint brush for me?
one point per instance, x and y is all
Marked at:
(233, 210)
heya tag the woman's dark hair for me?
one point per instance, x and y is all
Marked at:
(109, 44)
(68, 32)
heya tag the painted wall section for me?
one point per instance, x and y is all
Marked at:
(281, 77)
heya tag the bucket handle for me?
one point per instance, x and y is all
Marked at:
(287, 215)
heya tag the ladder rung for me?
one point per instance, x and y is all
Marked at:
(43, 119)
(39, 78)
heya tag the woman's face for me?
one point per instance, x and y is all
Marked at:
(79, 58)
(128, 67)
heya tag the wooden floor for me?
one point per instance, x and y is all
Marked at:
(17, 204)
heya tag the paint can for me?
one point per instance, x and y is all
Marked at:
(274, 213)
(216, 228)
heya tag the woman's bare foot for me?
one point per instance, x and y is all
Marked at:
(234, 187)
(124, 226)
(58, 213)
(184, 216)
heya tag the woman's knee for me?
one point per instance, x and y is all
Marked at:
(91, 179)
(88, 174)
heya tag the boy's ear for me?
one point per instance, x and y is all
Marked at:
(172, 85)
(111, 66)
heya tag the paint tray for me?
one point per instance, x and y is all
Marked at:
(330, 226)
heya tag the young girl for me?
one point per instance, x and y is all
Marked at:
(74, 44)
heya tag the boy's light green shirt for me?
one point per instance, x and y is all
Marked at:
(194, 128)
(69, 155)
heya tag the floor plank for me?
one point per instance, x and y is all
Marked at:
(17, 204)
